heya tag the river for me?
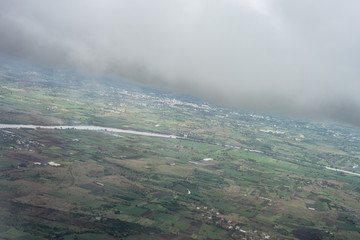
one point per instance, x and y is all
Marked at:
(90, 128)
(344, 171)
(118, 130)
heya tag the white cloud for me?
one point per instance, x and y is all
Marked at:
(295, 57)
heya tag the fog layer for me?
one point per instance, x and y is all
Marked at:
(290, 57)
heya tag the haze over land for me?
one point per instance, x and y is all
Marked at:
(115, 160)
(292, 57)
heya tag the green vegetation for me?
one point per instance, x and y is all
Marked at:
(230, 174)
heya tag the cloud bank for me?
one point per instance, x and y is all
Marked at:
(290, 57)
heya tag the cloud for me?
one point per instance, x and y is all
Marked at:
(290, 57)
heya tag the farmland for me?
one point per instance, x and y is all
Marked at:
(264, 176)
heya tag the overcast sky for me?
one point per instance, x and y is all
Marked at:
(286, 56)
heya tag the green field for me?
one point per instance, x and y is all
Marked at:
(266, 175)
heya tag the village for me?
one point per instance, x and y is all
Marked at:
(213, 216)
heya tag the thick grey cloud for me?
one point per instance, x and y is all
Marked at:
(294, 57)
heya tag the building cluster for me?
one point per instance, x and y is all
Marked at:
(213, 216)
(17, 142)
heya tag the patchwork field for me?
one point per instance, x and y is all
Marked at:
(230, 174)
